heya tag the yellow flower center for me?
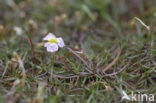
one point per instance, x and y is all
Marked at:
(53, 40)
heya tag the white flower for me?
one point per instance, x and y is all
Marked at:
(53, 43)
(18, 30)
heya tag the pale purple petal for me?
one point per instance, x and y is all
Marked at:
(60, 42)
(49, 36)
(52, 47)
(47, 44)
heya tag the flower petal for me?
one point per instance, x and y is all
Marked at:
(46, 44)
(52, 47)
(49, 36)
(60, 42)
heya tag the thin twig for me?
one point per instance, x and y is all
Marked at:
(86, 74)
(74, 76)
(32, 47)
(113, 62)
(115, 72)
(88, 68)
(40, 75)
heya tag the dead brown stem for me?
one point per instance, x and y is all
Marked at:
(113, 62)
(88, 68)
(32, 47)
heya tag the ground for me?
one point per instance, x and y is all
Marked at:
(108, 51)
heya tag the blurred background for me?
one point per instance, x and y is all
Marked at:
(73, 17)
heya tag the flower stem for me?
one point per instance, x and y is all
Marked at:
(32, 47)
(88, 68)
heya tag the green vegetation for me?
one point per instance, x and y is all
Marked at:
(110, 50)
